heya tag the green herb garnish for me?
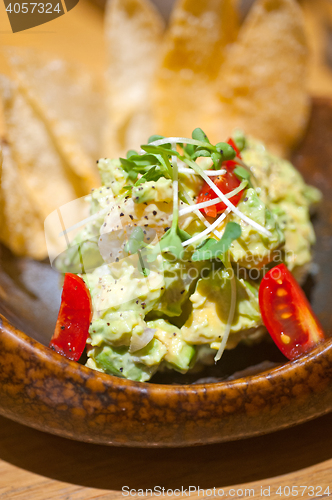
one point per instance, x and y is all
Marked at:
(212, 249)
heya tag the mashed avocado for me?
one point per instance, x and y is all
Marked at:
(162, 279)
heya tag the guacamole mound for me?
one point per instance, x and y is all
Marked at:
(154, 310)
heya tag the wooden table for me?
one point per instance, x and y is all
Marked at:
(38, 466)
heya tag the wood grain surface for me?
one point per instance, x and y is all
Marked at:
(38, 466)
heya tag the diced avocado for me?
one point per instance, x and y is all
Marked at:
(254, 249)
(80, 257)
(124, 288)
(112, 174)
(299, 233)
(179, 354)
(158, 191)
(118, 361)
(151, 354)
(180, 277)
(194, 183)
(211, 304)
(115, 327)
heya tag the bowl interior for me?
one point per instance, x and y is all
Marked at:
(30, 291)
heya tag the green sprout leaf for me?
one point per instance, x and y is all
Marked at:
(201, 152)
(243, 174)
(159, 150)
(155, 137)
(189, 149)
(136, 244)
(199, 135)
(171, 243)
(184, 236)
(151, 175)
(129, 167)
(212, 249)
(216, 158)
(136, 241)
(226, 151)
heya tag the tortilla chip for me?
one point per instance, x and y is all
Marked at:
(40, 167)
(263, 79)
(70, 101)
(22, 228)
(134, 31)
(194, 49)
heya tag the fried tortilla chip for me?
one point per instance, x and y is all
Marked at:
(194, 49)
(50, 183)
(134, 32)
(70, 101)
(21, 226)
(262, 84)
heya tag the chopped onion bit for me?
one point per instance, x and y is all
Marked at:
(137, 342)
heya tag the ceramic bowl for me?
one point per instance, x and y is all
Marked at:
(41, 389)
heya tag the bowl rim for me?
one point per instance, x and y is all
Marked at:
(45, 352)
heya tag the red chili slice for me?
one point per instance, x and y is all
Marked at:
(72, 326)
(287, 313)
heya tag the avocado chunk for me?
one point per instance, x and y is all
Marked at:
(112, 174)
(158, 191)
(211, 304)
(179, 354)
(139, 366)
(286, 194)
(180, 278)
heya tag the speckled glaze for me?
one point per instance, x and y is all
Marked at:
(44, 390)
(41, 389)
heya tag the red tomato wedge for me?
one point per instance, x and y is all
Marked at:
(287, 313)
(72, 326)
(226, 183)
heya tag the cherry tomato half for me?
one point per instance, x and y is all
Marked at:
(226, 183)
(72, 326)
(287, 313)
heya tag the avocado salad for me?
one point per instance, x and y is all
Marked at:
(179, 238)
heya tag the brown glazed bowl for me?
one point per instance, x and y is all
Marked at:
(41, 389)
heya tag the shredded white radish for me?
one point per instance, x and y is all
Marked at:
(208, 230)
(229, 204)
(210, 173)
(175, 180)
(198, 213)
(215, 201)
(231, 312)
(176, 140)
